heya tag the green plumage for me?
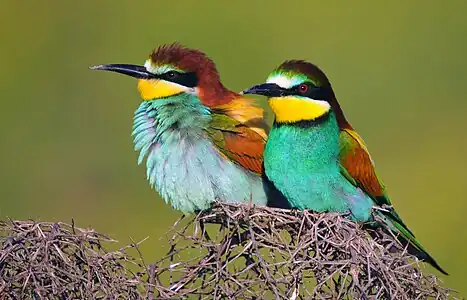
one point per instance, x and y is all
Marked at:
(302, 160)
(317, 160)
(178, 136)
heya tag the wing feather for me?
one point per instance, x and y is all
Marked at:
(239, 131)
(358, 167)
(356, 159)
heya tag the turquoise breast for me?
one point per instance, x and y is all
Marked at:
(302, 162)
(182, 163)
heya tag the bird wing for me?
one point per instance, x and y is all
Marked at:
(356, 160)
(358, 167)
(239, 132)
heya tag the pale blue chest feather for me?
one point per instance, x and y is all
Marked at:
(182, 163)
(303, 164)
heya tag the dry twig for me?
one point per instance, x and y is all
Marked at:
(266, 253)
(59, 261)
(228, 252)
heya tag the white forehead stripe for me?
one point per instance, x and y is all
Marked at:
(284, 81)
(157, 69)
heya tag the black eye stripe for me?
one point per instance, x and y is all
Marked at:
(296, 88)
(314, 92)
(186, 79)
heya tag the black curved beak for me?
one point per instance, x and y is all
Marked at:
(267, 89)
(139, 72)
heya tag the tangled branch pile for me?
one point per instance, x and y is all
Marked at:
(59, 261)
(266, 253)
(229, 251)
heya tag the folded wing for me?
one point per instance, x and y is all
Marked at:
(240, 132)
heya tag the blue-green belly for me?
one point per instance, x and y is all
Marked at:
(303, 164)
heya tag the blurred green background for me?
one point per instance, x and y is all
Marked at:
(398, 68)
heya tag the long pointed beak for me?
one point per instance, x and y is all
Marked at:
(139, 72)
(266, 89)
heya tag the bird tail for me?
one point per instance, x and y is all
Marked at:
(406, 237)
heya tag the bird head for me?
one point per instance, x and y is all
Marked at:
(174, 69)
(299, 91)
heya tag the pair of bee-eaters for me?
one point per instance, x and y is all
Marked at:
(204, 142)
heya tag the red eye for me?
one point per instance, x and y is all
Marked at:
(303, 88)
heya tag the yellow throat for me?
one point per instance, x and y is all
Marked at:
(155, 88)
(293, 109)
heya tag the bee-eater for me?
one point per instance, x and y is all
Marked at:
(315, 157)
(202, 141)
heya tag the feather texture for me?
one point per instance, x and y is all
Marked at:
(329, 167)
(356, 160)
(354, 156)
(239, 132)
(179, 136)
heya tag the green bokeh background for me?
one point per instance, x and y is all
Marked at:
(399, 69)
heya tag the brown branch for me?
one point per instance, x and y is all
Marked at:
(227, 252)
(276, 253)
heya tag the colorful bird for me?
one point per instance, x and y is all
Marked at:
(315, 157)
(202, 141)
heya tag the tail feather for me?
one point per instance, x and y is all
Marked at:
(406, 237)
